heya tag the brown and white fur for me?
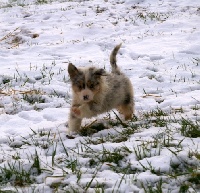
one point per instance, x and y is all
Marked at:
(96, 91)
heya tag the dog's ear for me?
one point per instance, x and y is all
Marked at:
(100, 72)
(72, 70)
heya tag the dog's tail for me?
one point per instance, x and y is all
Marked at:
(113, 60)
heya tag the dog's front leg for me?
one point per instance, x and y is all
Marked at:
(74, 122)
(84, 111)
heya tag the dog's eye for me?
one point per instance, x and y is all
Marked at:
(91, 86)
(81, 86)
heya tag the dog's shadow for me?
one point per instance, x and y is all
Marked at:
(102, 124)
(93, 128)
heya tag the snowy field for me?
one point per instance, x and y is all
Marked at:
(158, 151)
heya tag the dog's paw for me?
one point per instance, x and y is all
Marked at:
(76, 111)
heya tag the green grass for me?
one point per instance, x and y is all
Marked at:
(32, 99)
(116, 159)
(156, 188)
(190, 128)
(15, 174)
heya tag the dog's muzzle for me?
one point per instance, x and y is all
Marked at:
(86, 97)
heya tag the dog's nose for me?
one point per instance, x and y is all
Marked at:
(85, 97)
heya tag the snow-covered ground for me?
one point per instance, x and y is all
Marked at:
(156, 152)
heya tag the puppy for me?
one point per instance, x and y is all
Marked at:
(95, 91)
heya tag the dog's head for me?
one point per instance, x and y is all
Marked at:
(86, 82)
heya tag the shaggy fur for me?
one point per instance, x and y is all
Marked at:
(96, 91)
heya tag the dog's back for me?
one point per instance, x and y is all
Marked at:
(120, 90)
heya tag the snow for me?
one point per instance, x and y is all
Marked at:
(160, 54)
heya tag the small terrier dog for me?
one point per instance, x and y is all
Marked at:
(95, 91)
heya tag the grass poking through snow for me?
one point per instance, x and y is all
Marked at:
(120, 151)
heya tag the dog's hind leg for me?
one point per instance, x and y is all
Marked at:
(127, 110)
(127, 107)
